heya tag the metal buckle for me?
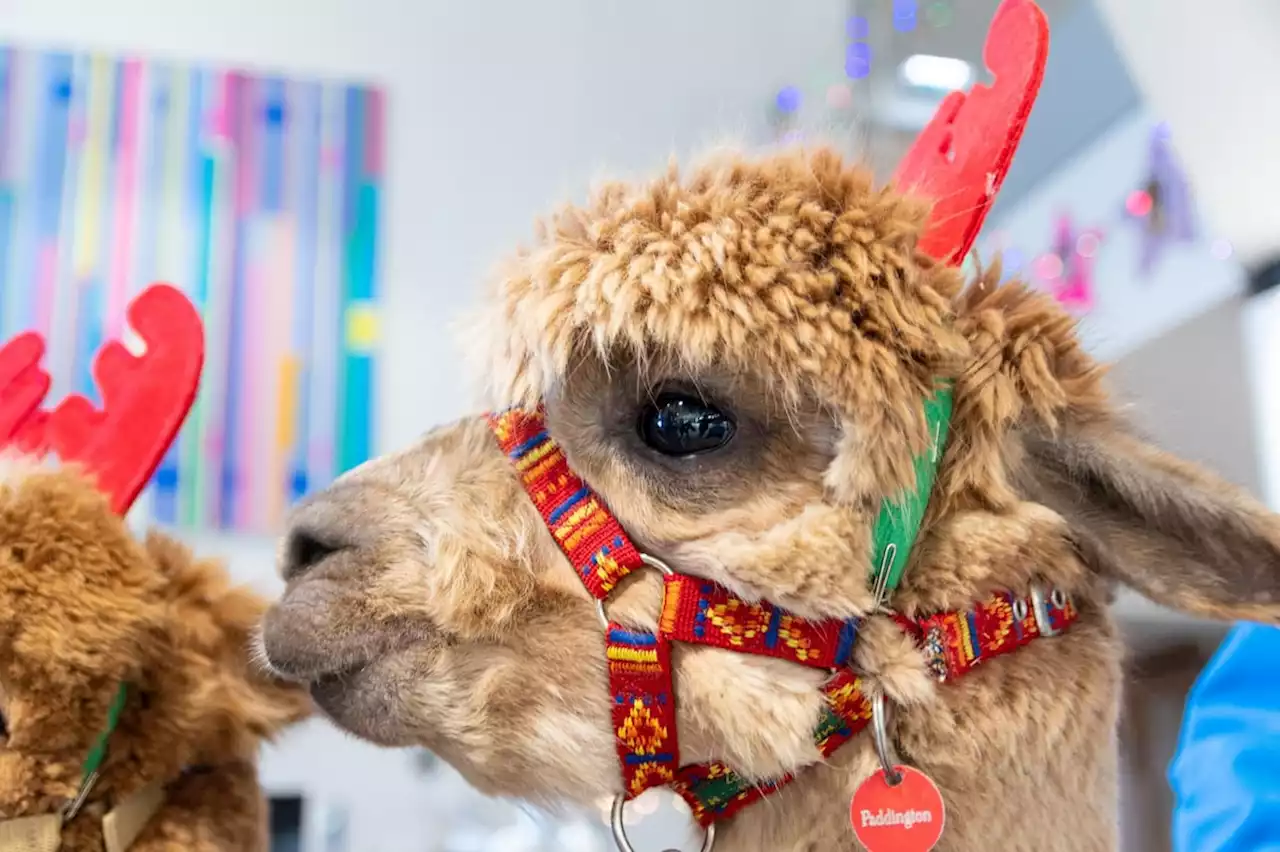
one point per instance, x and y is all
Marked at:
(1040, 608)
(652, 562)
(880, 736)
(620, 831)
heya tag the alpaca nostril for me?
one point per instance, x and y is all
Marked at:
(304, 551)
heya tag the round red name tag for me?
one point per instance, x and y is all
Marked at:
(907, 817)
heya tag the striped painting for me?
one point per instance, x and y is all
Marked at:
(258, 197)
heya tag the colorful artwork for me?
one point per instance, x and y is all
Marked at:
(255, 195)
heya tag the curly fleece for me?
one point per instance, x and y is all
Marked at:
(795, 268)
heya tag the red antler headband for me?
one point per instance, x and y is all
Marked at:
(145, 398)
(962, 156)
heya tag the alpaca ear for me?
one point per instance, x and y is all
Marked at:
(1170, 530)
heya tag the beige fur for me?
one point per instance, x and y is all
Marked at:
(428, 605)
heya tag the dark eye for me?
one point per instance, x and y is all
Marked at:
(680, 425)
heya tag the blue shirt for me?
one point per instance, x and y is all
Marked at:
(1226, 773)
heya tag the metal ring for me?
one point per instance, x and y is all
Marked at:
(652, 562)
(880, 735)
(620, 832)
(1058, 598)
(1019, 609)
(1040, 609)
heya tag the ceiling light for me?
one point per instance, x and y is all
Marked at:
(945, 73)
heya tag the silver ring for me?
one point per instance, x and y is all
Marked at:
(620, 832)
(652, 562)
(880, 735)
(1058, 598)
(1040, 609)
(1019, 609)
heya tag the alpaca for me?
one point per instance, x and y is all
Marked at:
(131, 713)
(777, 505)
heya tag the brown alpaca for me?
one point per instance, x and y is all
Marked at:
(735, 362)
(90, 616)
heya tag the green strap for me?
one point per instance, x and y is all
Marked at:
(97, 754)
(898, 523)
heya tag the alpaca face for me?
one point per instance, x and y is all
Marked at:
(736, 362)
(427, 604)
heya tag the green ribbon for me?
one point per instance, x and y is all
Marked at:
(898, 523)
(97, 754)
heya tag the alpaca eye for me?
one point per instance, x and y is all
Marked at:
(680, 425)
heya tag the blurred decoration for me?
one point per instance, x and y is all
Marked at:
(795, 105)
(257, 196)
(789, 99)
(1067, 270)
(839, 96)
(857, 52)
(904, 15)
(1162, 205)
(939, 14)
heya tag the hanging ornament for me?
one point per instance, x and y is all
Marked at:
(1162, 205)
(1067, 269)
(857, 51)
(904, 15)
(939, 14)
(784, 116)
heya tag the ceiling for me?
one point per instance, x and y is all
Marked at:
(896, 111)
(962, 36)
(1087, 87)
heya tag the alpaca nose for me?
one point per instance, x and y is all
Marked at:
(304, 549)
(324, 525)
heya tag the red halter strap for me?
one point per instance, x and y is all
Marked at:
(698, 611)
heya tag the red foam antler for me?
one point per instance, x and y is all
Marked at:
(145, 398)
(962, 156)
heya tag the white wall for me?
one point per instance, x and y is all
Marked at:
(1130, 309)
(496, 109)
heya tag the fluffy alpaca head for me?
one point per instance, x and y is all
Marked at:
(735, 360)
(85, 607)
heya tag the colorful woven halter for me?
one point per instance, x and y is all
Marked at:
(700, 612)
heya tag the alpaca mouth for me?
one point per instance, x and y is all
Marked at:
(364, 701)
(298, 644)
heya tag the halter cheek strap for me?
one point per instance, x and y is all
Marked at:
(698, 611)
